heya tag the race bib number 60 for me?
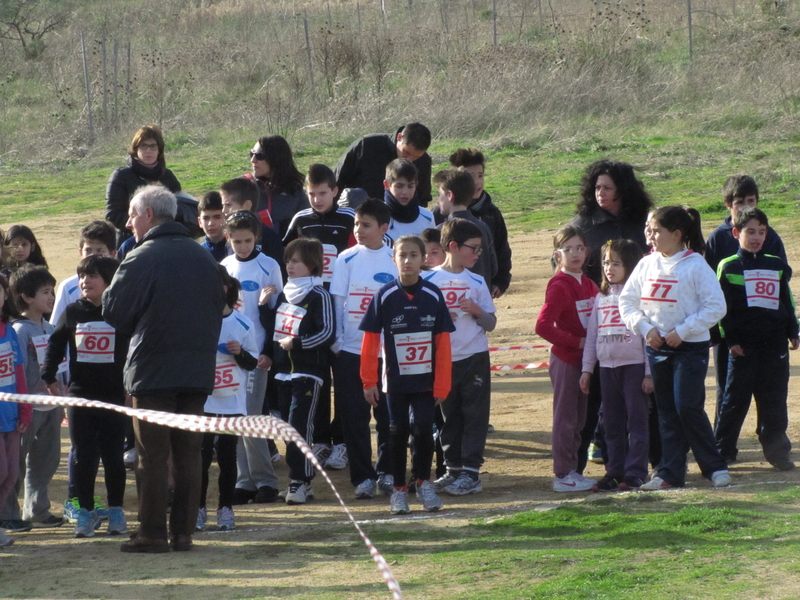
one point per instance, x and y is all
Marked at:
(95, 342)
(414, 353)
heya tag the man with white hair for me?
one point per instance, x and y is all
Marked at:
(168, 297)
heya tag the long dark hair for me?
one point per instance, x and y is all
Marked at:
(35, 257)
(635, 202)
(285, 177)
(629, 252)
(685, 220)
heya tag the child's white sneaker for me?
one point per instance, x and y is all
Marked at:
(572, 482)
(720, 478)
(398, 504)
(427, 495)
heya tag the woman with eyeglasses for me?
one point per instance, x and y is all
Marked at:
(280, 183)
(145, 165)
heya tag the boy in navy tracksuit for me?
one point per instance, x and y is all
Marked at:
(760, 320)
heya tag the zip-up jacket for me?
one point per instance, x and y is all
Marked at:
(334, 227)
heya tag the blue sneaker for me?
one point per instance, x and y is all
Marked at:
(102, 513)
(71, 508)
(116, 521)
(87, 523)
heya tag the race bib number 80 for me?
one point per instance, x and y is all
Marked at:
(95, 342)
(763, 288)
(414, 353)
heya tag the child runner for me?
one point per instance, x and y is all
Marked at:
(562, 322)
(32, 291)
(361, 271)
(212, 221)
(672, 298)
(625, 379)
(434, 253)
(466, 411)
(303, 327)
(413, 318)
(21, 248)
(237, 352)
(96, 362)
(261, 281)
(400, 195)
(761, 317)
(14, 418)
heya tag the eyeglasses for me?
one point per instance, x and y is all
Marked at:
(573, 250)
(148, 146)
(257, 155)
(476, 250)
(611, 263)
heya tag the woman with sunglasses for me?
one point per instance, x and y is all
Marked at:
(280, 183)
(145, 165)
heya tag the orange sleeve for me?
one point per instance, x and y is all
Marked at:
(370, 352)
(443, 377)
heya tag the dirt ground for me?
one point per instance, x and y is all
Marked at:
(263, 557)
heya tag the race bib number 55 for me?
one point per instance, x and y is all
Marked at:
(7, 375)
(95, 342)
(414, 353)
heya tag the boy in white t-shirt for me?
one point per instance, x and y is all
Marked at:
(359, 272)
(466, 409)
(261, 281)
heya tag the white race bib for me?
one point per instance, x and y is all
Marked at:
(454, 291)
(95, 342)
(763, 288)
(40, 343)
(329, 254)
(287, 321)
(584, 308)
(227, 376)
(414, 353)
(660, 294)
(7, 371)
(609, 321)
(358, 298)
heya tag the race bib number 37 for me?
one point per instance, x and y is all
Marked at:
(414, 353)
(95, 342)
(763, 288)
(7, 375)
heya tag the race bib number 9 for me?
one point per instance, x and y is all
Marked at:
(329, 255)
(287, 321)
(763, 288)
(95, 342)
(609, 321)
(40, 343)
(660, 294)
(414, 353)
(227, 377)
(7, 372)
(358, 298)
(584, 308)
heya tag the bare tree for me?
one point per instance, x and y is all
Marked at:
(29, 21)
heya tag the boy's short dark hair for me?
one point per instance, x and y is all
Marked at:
(417, 135)
(104, 266)
(377, 209)
(401, 168)
(239, 190)
(431, 235)
(459, 231)
(457, 181)
(29, 280)
(243, 220)
(233, 285)
(739, 186)
(100, 231)
(467, 157)
(319, 174)
(310, 251)
(211, 201)
(748, 214)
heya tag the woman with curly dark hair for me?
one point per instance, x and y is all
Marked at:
(279, 181)
(613, 206)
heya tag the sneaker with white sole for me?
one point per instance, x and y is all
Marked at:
(572, 482)
(448, 478)
(298, 493)
(321, 452)
(87, 523)
(71, 508)
(386, 484)
(465, 484)
(398, 504)
(5, 540)
(720, 478)
(365, 490)
(338, 458)
(225, 520)
(202, 517)
(427, 495)
(117, 524)
(656, 483)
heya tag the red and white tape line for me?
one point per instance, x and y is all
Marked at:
(505, 348)
(261, 426)
(540, 365)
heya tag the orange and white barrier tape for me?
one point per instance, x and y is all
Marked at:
(540, 365)
(506, 348)
(261, 426)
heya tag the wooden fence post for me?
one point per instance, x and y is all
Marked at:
(88, 87)
(308, 50)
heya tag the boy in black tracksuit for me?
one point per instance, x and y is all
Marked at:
(303, 328)
(760, 320)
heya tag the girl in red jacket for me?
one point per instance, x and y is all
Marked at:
(562, 322)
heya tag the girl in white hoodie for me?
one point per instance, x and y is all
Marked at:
(672, 298)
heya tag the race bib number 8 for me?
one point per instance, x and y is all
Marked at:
(358, 298)
(763, 289)
(7, 374)
(609, 319)
(95, 342)
(660, 294)
(227, 377)
(414, 353)
(287, 321)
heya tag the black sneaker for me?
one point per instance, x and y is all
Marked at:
(51, 521)
(784, 464)
(628, 484)
(16, 526)
(265, 495)
(606, 484)
(242, 496)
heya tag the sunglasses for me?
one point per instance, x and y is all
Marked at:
(257, 155)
